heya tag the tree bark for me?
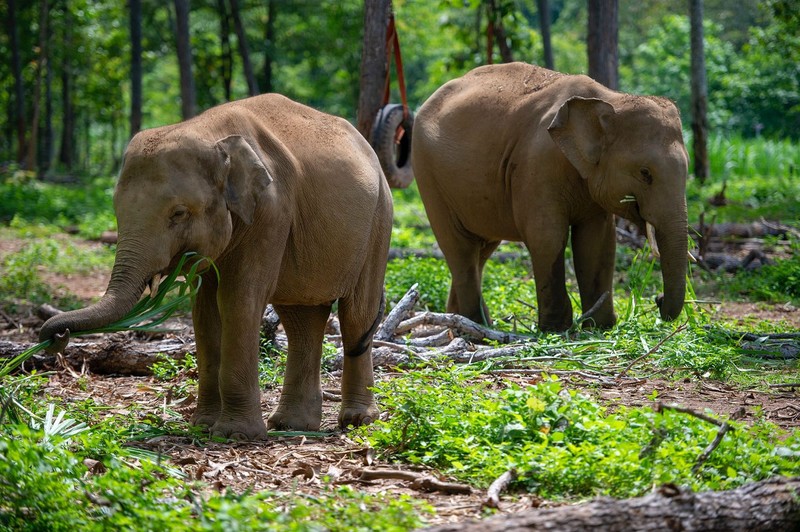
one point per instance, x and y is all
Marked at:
(767, 505)
(269, 38)
(66, 155)
(495, 16)
(241, 34)
(33, 143)
(602, 42)
(374, 64)
(699, 92)
(46, 153)
(135, 21)
(188, 93)
(227, 54)
(110, 354)
(544, 26)
(19, 89)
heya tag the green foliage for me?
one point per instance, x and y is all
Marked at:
(86, 206)
(778, 282)
(45, 485)
(563, 444)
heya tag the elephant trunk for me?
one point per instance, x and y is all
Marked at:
(673, 246)
(127, 283)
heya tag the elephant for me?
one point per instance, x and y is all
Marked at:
(293, 208)
(516, 152)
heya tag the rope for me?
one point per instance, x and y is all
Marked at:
(393, 48)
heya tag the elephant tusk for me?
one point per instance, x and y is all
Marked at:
(154, 282)
(651, 238)
(691, 257)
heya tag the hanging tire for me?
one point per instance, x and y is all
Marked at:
(394, 156)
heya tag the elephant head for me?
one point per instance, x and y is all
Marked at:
(176, 193)
(631, 152)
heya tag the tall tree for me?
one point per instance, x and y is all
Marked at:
(31, 158)
(188, 93)
(699, 92)
(227, 54)
(495, 10)
(135, 20)
(374, 64)
(544, 26)
(269, 41)
(241, 34)
(602, 42)
(19, 89)
(67, 151)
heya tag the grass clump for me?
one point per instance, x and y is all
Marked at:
(561, 443)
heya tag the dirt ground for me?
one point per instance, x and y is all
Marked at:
(308, 464)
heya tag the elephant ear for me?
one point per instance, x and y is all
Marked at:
(581, 130)
(244, 177)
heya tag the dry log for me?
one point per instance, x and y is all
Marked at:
(400, 311)
(767, 505)
(418, 481)
(113, 354)
(462, 326)
(497, 487)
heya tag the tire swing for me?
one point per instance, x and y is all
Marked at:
(391, 130)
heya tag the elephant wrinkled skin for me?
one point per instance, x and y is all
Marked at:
(292, 206)
(518, 152)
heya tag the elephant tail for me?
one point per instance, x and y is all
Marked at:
(363, 344)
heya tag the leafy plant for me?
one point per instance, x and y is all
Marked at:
(562, 443)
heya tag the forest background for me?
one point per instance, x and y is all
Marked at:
(74, 95)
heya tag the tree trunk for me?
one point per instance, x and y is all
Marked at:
(699, 92)
(767, 505)
(495, 16)
(269, 38)
(66, 156)
(544, 25)
(374, 64)
(19, 89)
(241, 34)
(136, 65)
(225, 41)
(601, 42)
(33, 144)
(46, 153)
(188, 93)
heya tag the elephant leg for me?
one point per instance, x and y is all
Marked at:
(359, 317)
(206, 319)
(486, 252)
(461, 251)
(241, 298)
(593, 249)
(547, 256)
(300, 405)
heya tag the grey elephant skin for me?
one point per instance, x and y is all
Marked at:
(521, 153)
(292, 206)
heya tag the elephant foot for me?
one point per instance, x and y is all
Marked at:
(357, 414)
(238, 429)
(204, 417)
(295, 413)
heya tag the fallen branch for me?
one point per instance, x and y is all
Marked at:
(724, 428)
(418, 481)
(400, 311)
(652, 349)
(497, 487)
(768, 505)
(592, 311)
(462, 326)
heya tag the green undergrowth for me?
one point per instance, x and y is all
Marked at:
(562, 444)
(60, 474)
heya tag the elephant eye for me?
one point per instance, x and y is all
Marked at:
(647, 177)
(179, 214)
